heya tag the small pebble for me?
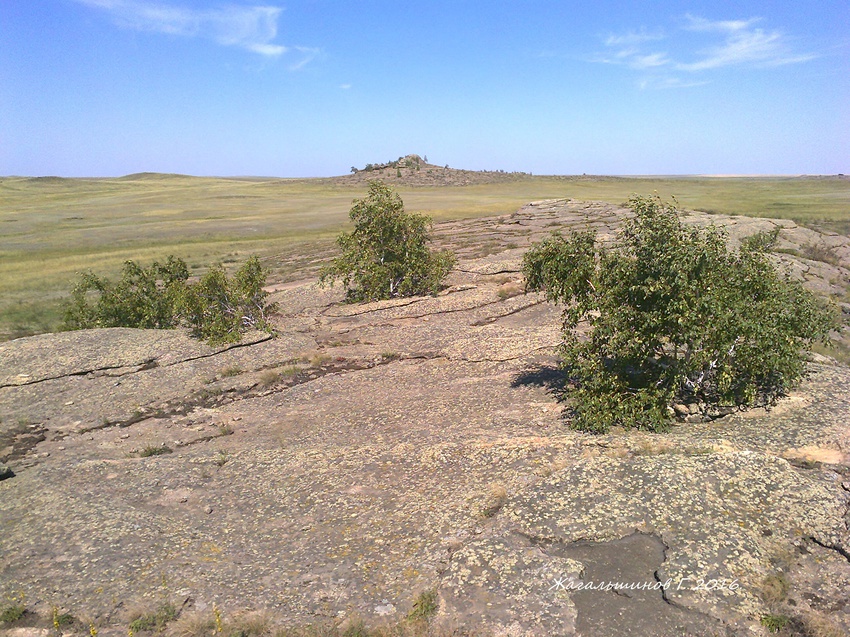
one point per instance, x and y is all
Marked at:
(208, 509)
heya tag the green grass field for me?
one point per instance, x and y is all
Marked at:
(52, 228)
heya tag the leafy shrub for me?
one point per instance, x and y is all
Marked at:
(216, 308)
(762, 241)
(386, 255)
(144, 297)
(672, 315)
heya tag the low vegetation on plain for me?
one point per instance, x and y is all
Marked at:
(53, 228)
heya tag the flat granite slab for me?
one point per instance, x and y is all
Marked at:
(371, 453)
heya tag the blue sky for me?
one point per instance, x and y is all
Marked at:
(312, 87)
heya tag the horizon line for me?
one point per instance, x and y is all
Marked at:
(593, 175)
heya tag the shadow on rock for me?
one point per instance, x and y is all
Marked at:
(551, 377)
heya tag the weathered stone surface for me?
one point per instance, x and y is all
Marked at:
(374, 451)
(101, 388)
(711, 512)
(507, 585)
(115, 350)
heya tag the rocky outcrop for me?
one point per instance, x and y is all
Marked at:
(372, 452)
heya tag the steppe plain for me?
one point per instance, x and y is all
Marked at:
(402, 457)
(51, 227)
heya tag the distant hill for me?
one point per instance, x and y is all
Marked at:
(148, 176)
(413, 170)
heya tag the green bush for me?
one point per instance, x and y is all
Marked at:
(386, 255)
(670, 314)
(144, 297)
(216, 308)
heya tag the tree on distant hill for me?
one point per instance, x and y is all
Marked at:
(671, 316)
(386, 255)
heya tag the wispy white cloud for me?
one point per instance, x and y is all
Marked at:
(253, 28)
(308, 54)
(737, 43)
(635, 59)
(668, 82)
(632, 38)
(627, 49)
(698, 23)
(649, 61)
(743, 44)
